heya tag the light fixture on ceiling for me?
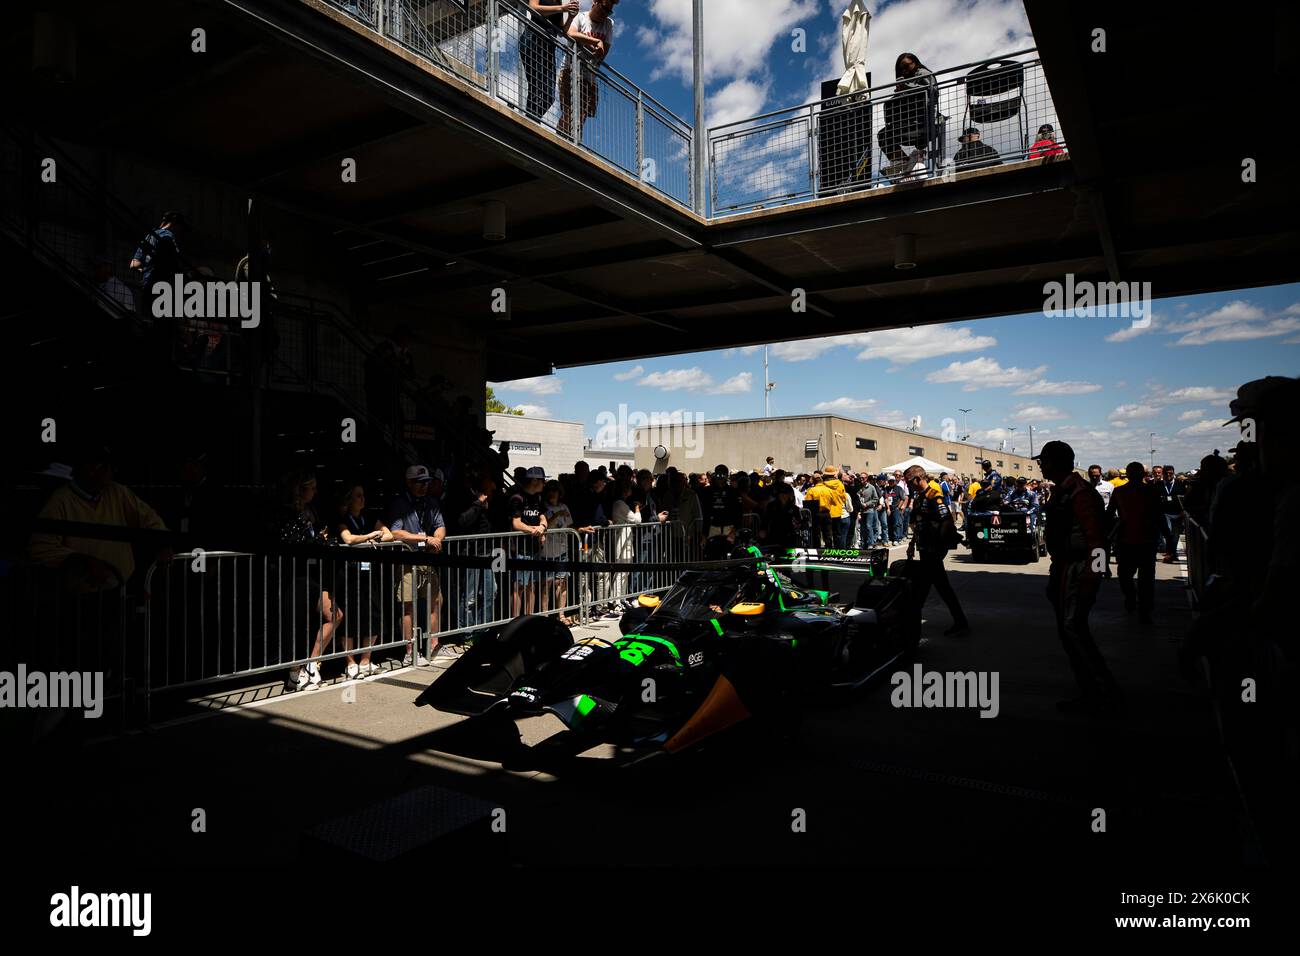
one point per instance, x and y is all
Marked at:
(905, 251)
(494, 220)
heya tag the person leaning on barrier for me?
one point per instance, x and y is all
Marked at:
(295, 522)
(537, 46)
(593, 32)
(358, 600)
(528, 516)
(934, 536)
(416, 520)
(1076, 543)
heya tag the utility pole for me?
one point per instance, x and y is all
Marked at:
(1152, 439)
(699, 146)
(1031, 441)
(767, 386)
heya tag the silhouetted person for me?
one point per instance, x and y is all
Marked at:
(1076, 542)
(1137, 509)
(930, 515)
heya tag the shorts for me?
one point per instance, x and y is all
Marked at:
(414, 582)
(590, 92)
(724, 531)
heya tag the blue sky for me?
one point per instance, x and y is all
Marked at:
(1096, 382)
(1085, 380)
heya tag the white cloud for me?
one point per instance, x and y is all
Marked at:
(675, 379)
(541, 385)
(1129, 332)
(735, 385)
(804, 349)
(534, 411)
(738, 35)
(1039, 412)
(1127, 412)
(927, 341)
(1044, 387)
(1207, 426)
(630, 374)
(1191, 416)
(984, 372)
(1195, 393)
(1241, 332)
(845, 405)
(738, 100)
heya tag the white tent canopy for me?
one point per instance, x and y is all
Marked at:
(931, 467)
(855, 24)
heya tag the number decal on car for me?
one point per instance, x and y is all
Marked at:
(634, 652)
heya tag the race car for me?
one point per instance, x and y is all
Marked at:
(735, 645)
(1004, 533)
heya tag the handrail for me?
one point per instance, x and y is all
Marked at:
(836, 100)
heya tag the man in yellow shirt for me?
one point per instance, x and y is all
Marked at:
(92, 497)
(839, 524)
(818, 499)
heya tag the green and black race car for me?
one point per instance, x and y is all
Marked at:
(735, 645)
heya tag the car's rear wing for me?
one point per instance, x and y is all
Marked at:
(871, 561)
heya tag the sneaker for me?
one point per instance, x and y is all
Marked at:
(370, 669)
(353, 672)
(296, 680)
(312, 673)
(420, 660)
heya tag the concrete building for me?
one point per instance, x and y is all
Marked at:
(551, 444)
(804, 443)
(534, 442)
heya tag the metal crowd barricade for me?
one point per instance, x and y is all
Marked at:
(633, 544)
(479, 597)
(1198, 557)
(57, 625)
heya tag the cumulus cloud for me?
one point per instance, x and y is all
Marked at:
(534, 411)
(735, 385)
(1208, 426)
(1126, 412)
(630, 374)
(541, 385)
(1191, 416)
(675, 379)
(845, 404)
(1039, 412)
(985, 372)
(1044, 387)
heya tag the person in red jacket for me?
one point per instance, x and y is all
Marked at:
(1045, 144)
(1076, 541)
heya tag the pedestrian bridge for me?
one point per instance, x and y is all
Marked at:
(603, 245)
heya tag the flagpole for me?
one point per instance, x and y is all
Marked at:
(700, 146)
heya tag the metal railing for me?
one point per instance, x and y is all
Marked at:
(216, 615)
(884, 136)
(498, 47)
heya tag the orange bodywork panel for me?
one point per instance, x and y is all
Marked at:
(721, 709)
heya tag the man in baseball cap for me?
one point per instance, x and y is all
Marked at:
(1076, 542)
(415, 517)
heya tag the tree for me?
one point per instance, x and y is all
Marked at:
(495, 404)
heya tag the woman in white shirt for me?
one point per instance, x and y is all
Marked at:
(626, 512)
(557, 547)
